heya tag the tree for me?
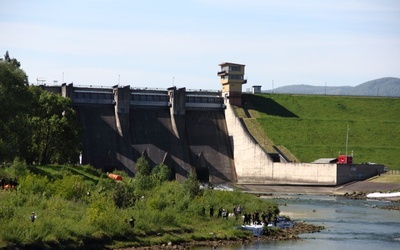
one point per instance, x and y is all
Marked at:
(15, 108)
(192, 184)
(55, 133)
(162, 173)
(142, 167)
(143, 179)
(12, 61)
(35, 125)
(123, 195)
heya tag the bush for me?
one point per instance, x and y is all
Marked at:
(20, 168)
(34, 184)
(70, 187)
(162, 173)
(192, 185)
(66, 214)
(142, 167)
(123, 195)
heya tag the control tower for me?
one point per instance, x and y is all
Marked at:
(232, 79)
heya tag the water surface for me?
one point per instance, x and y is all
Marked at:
(350, 224)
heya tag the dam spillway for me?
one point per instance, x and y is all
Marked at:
(182, 129)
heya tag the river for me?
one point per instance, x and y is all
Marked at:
(349, 224)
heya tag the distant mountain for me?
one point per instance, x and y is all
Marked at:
(387, 86)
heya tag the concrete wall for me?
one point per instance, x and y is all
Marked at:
(116, 135)
(254, 166)
(208, 141)
(103, 146)
(122, 106)
(151, 134)
(293, 174)
(251, 162)
(357, 172)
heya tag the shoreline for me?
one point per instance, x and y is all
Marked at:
(353, 187)
(354, 190)
(278, 235)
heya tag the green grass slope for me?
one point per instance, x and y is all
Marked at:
(314, 127)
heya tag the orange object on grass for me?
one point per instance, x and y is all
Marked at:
(115, 177)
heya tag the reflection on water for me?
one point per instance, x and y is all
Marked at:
(350, 224)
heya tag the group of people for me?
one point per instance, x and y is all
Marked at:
(254, 219)
(224, 213)
(8, 184)
(248, 218)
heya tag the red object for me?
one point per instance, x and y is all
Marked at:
(115, 177)
(345, 159)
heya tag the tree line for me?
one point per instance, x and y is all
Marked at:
(36, 126)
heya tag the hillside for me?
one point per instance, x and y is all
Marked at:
(387, 86)
(314, 127)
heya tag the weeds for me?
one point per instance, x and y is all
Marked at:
(77, 205)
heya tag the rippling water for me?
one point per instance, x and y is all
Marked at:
(350, 224)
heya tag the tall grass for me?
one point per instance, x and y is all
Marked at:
(314, 127)
(77, 206)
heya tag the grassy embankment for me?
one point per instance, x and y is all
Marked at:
(69, 218)
(313, 127)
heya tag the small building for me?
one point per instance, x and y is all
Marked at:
(232, 79)
(325, 161)
(345, 159)
(256, 89)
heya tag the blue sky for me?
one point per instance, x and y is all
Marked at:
(158, 43)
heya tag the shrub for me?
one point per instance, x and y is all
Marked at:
(20, 168)
(162, 173)
(66, 214)
(123, 195)
(34, 184)
(192, 185)
(143, 183)
(70, 187)
(142, 167)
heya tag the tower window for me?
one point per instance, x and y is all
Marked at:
(236, 77)
(234, 68)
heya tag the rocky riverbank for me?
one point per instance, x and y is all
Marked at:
(394, 201)
(273, 234)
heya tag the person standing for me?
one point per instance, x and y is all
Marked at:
(132, 222)
(239, 210)
(33, 217)
(220, 212)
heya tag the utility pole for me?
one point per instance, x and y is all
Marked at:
(272, 86)
(347, 138)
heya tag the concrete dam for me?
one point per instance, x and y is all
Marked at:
(188, 130)
(183, 130)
